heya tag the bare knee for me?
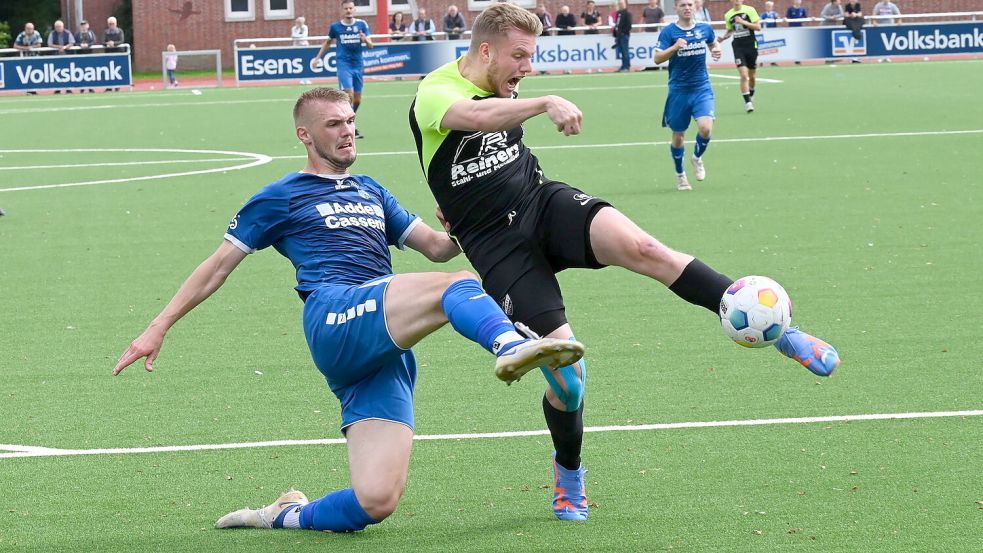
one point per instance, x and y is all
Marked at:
(461, 275)
(380, 501)
(649, 250)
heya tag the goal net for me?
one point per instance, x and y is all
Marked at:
(191, 68)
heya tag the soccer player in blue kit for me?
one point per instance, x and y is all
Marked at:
(360, 320)
(350, 34)
(684, 45)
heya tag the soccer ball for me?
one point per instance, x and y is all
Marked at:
(755, 311)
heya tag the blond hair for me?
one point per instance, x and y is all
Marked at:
(319, 94)
(497, 19)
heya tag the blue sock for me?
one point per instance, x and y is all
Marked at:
(701, 145)
(475, 315)
(677, 158)
(337, 512)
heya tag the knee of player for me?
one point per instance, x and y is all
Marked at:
(461, 275)
(648, 249)
(568, 384)
(379, 501)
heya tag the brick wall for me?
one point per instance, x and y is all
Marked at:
(96, 12)
(160, 22)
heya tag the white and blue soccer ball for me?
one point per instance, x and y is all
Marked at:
(755, 311)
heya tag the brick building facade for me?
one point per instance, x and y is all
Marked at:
(204, 24)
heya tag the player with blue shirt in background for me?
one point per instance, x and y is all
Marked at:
(684, 45)
(360, 320)
(350, 34)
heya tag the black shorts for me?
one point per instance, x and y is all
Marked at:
(746, 56)
(519, 259)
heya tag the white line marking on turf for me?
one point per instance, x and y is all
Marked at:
(120, 163)
(758, 79)
(250, 159)
(31, 451)
(715, 141)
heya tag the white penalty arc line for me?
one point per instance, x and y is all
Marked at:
(252, 160)
(35, 451)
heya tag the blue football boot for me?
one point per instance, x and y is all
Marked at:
(811, 352)
(569, 493)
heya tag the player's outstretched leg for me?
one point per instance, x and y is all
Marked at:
(476, 316)
(811, 352)
(270, 516)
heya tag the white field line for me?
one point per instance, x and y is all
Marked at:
(58, 109)
(715, 141)
(246, 160)
(119, 163)
(29, 451)
(738, 77)
(260, 159)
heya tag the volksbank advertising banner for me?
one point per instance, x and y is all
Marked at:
(595, 51)
(61, 72)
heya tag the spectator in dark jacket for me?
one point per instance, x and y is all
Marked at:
(622, 34)
(566, 21)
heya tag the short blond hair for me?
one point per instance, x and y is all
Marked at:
(497, 19)
(319, 94)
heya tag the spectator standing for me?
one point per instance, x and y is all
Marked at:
(28, 40)
(884, 8)
(591, 18)
(566, 21)
(299, 32)
(85, 38)
(796, 11)
(546, 19)
(769, 17)
(700, 12)
(170, 63)
(113, 36)
(622, 36)
(454, 23)
(60, 38)
(832, 13)
(653, 15)
(422, 28)
(397, 27)
(853, 19)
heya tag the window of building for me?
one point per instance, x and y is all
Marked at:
(478, 5)
(240, 10)
(278, 9)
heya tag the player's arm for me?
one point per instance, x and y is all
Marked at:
(367, 41)
(434, 245)
(203, 282)
(318, 59)
(662, 56)
(753, 25)
(501, 114)
(715, 51)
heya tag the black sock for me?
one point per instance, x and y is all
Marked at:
(701, 285)
(751, 93)
(567, 431)
(747, 97)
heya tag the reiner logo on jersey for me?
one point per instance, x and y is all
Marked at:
(481, 154)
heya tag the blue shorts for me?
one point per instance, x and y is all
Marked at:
(681, 106)
(346, 331)
(349, 76)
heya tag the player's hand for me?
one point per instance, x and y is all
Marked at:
(715, 52)
(316, 64)
(146, 345)
(443, 222)
(564, 114)
(681, 43)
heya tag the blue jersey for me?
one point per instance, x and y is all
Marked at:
(688, 68)
(333, 230)
(349, 41)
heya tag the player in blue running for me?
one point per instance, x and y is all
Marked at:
(684, 45)
(350, 34)
(360, 320)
